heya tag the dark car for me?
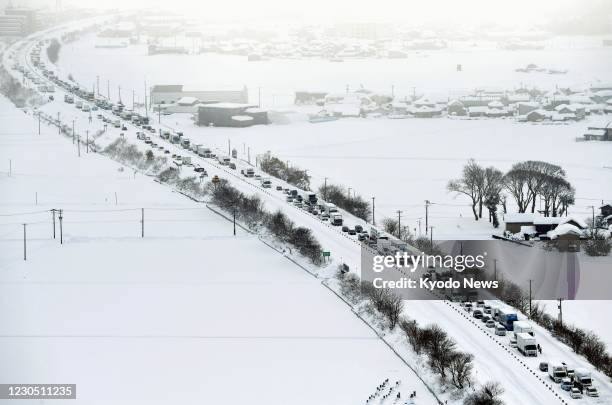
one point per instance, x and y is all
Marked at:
(358, 228)
(345, 228)
(279, 188)
(362, 237)
(352, 232)
(477, 314)
(485, 318)
(543, 366)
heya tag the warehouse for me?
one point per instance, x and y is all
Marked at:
(168, 94)
(230, 115)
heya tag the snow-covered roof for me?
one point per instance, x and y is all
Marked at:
(538, 220)
(478, 109)
(242, 118)
(579, 221)
(496, 104)
(187, 101)
(227, 105)
(254, 110)
(603, 93)
(534, 104)
(528, 230)
(519, 217)
(595, 132)
(564, 229)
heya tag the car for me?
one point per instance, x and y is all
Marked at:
(490, 323)
(124, 128)
(512, 341)
(199, 169)
(352, 231)
(167, 152)
(477, 314)
(591, 391)
(345, 228)
(543, 366)
(361, 237)
(358, 228)
(480, 303)
(232, 165)
(279, 188)
(566, 384)
(575, 393)
(485, 318)
(289, 198)
(500, 330)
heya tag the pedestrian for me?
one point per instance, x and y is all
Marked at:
(539, 348)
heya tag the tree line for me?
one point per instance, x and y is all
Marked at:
(354, 204)
(281, 170)
(443, 358)
(525, 183)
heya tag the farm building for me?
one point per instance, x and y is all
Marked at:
(168, 94)
(230, 115)
(538, 225)
(599, 133)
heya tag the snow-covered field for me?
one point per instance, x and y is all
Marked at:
(189, 313)
(400, 162)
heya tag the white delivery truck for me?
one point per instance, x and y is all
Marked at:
(330, 209)
(194, 147)
(250, 172)
(224, 160)
(556, 371)
(335, 219)
(523, 327)
(582, 376)
(526, 344)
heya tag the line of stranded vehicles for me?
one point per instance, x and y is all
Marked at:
(504, 321)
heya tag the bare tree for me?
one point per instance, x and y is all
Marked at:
(440, 348)
(469, 184)
(460, 368)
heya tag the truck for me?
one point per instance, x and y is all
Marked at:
(523, 327)
(186, 160)
(185, 143)
(194, 147)
(330, 208)
(223, 160)
(506, 317)
(204, 151)
(582, 378)
(335, 219)
(175, 138)
(165, 135)
(250, 172)
(266, 182)
(526, 344)
(556, 371)
(309, 197)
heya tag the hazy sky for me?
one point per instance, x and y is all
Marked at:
(411, 11)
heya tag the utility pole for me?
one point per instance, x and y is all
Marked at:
(399, 224)
(108, 89)
(419, 222)
(39, 123)
(427, 203)
(373, 209)
(61, 217)
(87, 141)
(325, 190)
(530, 300)
(495, 269)
(58, 123)
(142, 222)
(24, 242)
(234, 212)
(349, 193)
(119, 88)
(229, 148)
(431, 235)
(259, 97)
(560, 307)
(249, 155)
(98, 84)
(53, 216)
(73, 132)
(592, 207)
(79, 145)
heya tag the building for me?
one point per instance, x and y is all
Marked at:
(18, 21)
(456, 108)
(599, 133)
(309, 97)
(168, 94)
(566, 237)
(536, 225)
(230, 115)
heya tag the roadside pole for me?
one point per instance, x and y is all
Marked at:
(24, 242)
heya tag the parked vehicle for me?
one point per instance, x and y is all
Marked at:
(250, 172)
(526, 344)
(232, 165)
(556, 372)
(86, 108)
(352, 231)
(487, 309)
(575, 393)
(477, 314)
(507, 318)
(358, 228)
(336, 219)
(289, 198)
(543, 366)
(78, 104)
(512, 340)
(485, 318)
(566, 384)
(500, 330)
(185, 143)
(490, 323)
(523, 327)
(591, 391)
(266, 182)
(186, 160)
(583, 377)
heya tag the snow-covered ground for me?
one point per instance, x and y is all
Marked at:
(342, 247)
(189, 313)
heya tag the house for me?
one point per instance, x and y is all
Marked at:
(309, 97)
(602, 96)
(424, 111)
(606, 210)
(457, 108)
(571, 111)
(514, 222)
(599, 133)
(497, 109)
(538, 225)
(168, 94)
(536, 116)
(525, 108)
(478, 111)
(230, 115)
(566, 237)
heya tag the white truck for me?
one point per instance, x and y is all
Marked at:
(526, 344)
(204, 151)
(583, 377)
(186, 160)
(224, 160)
(556, 371)
(250, 172)
(335, 219)
(330, 209)
(523, 327)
